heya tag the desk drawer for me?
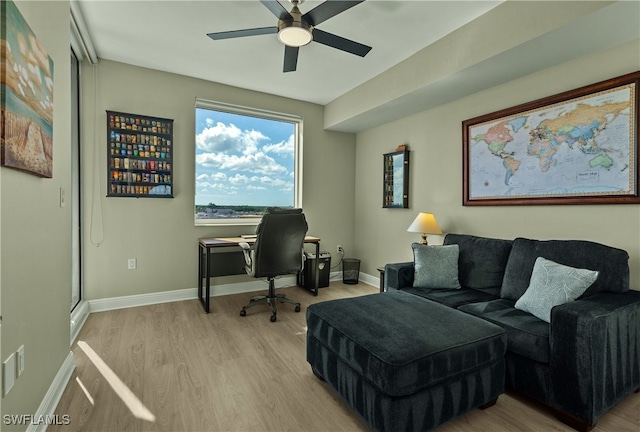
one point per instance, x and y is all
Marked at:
(225, 263)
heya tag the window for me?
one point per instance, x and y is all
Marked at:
(246, 160)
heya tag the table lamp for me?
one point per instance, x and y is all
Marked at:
(425, 223)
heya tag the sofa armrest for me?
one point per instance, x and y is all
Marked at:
(595, 353)
(398, 275)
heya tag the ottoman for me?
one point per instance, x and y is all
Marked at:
(405, 363)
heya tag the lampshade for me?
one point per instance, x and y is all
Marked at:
(295, 35)
(425, 223)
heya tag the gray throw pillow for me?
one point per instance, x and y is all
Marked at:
(553, 284)
(435, 266)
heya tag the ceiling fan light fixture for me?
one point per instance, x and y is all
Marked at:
(295, 29)
(295, 34)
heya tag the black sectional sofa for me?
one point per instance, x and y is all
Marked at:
(586, 358)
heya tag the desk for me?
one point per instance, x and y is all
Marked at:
(204, 270)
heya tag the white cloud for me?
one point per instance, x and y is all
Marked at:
(208, 185)
(242, 162)
(272, 181)
(218, 138)
(256, 163)
(281, 148)
(228, 138)
(251, 140)
(239, 179)
(275, 182)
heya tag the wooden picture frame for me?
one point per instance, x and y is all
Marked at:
(395, 188)
(576, 147)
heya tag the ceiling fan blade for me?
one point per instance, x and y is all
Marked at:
(290, 58)
(242, 33)
(326, 10)
(340, 43)
(277, 9)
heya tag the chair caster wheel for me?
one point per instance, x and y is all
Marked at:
(243, 312)
(273, 318)
(297, 309)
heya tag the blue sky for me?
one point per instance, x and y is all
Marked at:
(243, 160)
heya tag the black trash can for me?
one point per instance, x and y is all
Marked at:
(350, 270)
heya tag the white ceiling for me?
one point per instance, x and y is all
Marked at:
(172, 36)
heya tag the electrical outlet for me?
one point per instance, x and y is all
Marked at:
(8, 373)
(132, 264)
(20, 360)
(340, 250)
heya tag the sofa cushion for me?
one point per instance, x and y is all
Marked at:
(553, 284)
(481, 261)
(435, 266)
(611, 263)
(452, 297)
(527, 335)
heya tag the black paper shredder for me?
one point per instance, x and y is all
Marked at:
(307, 277)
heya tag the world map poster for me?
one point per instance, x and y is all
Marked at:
(580, 147)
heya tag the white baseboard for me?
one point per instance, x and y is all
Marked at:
(124, 302)
(78, 318)
(56, 389)
(370, 280)
(113, 303)
(362, 277)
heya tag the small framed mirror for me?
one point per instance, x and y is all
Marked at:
(395, 192)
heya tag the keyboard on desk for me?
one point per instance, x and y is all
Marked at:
(248, 236)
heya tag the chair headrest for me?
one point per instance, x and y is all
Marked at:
(282, 210)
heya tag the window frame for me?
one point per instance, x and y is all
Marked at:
(297, 122)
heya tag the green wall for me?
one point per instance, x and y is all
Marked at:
(35, 245)
(160, 233)
(435, 139)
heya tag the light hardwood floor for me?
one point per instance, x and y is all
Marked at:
(222, 372)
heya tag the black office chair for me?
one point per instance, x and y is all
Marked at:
(277, 251)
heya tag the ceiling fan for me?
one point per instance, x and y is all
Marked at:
(295, 29)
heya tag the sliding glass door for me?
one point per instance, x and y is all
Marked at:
(76, 267)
